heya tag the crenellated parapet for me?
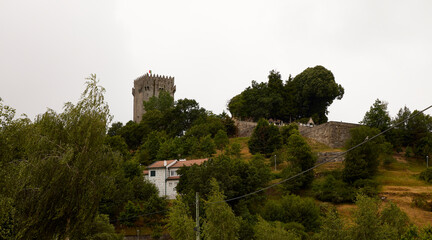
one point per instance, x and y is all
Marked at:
(147, 86)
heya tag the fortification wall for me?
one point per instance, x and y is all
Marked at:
(147, 86)
(332, 134)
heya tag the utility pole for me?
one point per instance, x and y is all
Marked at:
(275, 161)
(197, 227)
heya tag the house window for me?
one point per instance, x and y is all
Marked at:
(153, 173)
(173, 173)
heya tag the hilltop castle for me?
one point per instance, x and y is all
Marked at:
(147, 86)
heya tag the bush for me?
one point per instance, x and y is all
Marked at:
(334, 190)
(421, 201)
(367, 187)
(426, 175)
(292, 208)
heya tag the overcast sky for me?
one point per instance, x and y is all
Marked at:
(214, 49)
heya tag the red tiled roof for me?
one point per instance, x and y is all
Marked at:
(188, 163)
(173, 178)
(146, 172)
(160, 164)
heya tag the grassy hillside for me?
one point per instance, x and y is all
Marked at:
(399, 182)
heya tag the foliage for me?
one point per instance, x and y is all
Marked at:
(314, 91)
(236, 177)
(221, 139)
(164, 102)
(422, 201)
(369, 222)
(292, 208)
(333, 190)
(377, 116)
(7, 218)
(307, 95)
(275, 230)
(220, 221)
(288, 130)
(67, 162)
(362, 162)
(426, 175)
(180, 224)
(300, 156)
(100, 229)
(265, 138)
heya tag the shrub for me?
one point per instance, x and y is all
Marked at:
(333, 190)
(292, 208)
(421, 201)
(426, 175)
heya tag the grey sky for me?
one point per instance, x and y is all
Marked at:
(214, 49)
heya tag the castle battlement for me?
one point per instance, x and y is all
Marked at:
(147, 86)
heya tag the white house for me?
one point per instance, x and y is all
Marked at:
(164, 175)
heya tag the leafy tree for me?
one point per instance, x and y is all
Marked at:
(288, 130)
(220, 221)
(180, 224)
(333, 228)
(67, 164)
(377, 116)
(130, 214)
(235, 177)
(115, 129)
(367, 224)
(394, 217)
(265, 138)
(221, 139)
(301, 158)
(362, 162)
(269, 231)
(164, 102)
(314, 91)
(7, 218)
(117, 143)
(292, 208)
(100, 229)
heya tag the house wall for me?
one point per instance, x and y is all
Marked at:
(171, 189)
(159, 179)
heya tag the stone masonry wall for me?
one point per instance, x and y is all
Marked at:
(332, 134)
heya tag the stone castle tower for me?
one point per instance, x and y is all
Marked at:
(147, 86)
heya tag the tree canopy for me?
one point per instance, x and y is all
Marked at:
(308, 94)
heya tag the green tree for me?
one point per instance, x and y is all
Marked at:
(367, 224)
(314, 91)
(180, 223)
(377, 116)
(221, 139)
(333, 228)
(363, 161)
(301, 158)
(265, 138)
(67, 165)
(293, 208)
(164, 102)
(220, 221)
(130, 214)
(270, 231)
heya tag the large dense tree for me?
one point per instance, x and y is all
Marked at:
(314, 91)
(309, 94)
